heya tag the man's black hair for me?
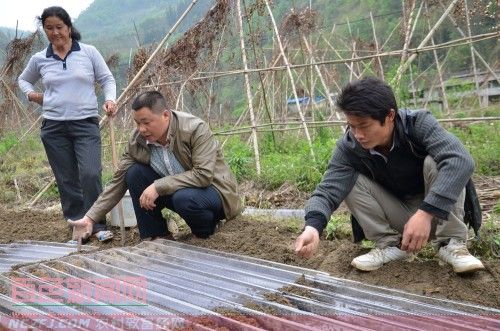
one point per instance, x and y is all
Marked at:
(367, 97)
(153, 100)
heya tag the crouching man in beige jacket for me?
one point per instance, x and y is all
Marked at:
(173, 161)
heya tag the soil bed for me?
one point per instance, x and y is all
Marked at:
(273, 240)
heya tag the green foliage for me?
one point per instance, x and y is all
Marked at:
(22, 162)
(367, 244)
(239, 157)
(482, 141)
(488, 244)
(7, 142)
(288, 159)
(339, 226)
(52, 193)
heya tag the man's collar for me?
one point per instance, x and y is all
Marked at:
(75, 46)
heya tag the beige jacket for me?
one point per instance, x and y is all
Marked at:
(195, 147)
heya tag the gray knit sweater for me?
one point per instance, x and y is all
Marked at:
(454, 163)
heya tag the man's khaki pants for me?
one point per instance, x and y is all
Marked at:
(383, 217)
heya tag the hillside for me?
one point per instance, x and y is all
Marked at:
(109, 24)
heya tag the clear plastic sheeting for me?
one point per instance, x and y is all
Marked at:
(21, 252)
(165, 284)
(275, 213)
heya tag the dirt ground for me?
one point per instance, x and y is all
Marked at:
(273, 240)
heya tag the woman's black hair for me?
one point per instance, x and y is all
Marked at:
(63, 15)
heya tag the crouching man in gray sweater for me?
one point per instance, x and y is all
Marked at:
(402, 177)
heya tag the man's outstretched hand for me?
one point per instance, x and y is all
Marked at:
(307, 243)
(82, 228)
(416, 231)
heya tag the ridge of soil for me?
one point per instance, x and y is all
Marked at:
(274, 239)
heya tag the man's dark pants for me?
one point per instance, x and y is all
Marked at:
(201, 208)
(74, 152)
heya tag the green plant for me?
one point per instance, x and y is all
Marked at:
(338, 227)
(7, 142)
(482, 141)
(239, 157)
(487, 246)
(367, 244)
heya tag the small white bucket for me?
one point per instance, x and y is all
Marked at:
(128, 212)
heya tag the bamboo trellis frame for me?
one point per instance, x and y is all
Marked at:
(290, 76)
(402, 68)
(414, 51)
(248, 90)
(318, 124)
(266, 73)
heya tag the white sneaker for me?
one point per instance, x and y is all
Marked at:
(377, 257)
(456, 254)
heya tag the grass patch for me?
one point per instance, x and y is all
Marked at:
(487, 245)
(483, 142)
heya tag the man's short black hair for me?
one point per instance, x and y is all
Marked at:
(153, 100)
(367, 97)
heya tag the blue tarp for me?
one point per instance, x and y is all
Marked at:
(305, 100)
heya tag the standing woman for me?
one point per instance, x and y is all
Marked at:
(70, 128)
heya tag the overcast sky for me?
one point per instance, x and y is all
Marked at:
(27, 10)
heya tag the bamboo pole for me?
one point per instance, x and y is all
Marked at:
(325, 53)
(248, 89)
(114, 159)
(322, 80)
(122, 96)
(244, 113)
(416, 20)
(341, 59)
(318, 124)
(402, 68)
(385, 43)
(292, 82)
(442, 86)
(261, 79)
(376, 47)
(181, 92)
(212, 80)
(412, 82)
(473, 57)
(15, 98)
(353, 47)
(475, 51)
(408, 29)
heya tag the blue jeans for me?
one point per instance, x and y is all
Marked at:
(200, 207)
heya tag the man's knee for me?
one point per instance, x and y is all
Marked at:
(362, 184)
(185, 200)
(133, 172)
